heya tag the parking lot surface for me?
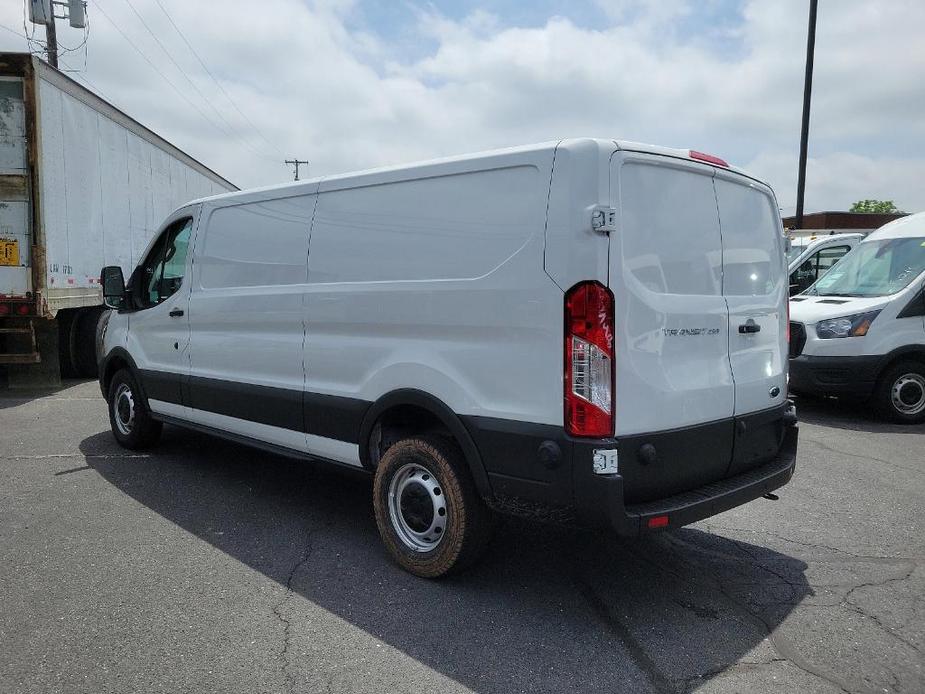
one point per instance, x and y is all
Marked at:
(205, 566)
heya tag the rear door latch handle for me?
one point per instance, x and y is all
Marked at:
(176, 312)
(749, 326)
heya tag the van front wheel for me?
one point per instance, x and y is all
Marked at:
(900, 394)
(130, 420)
(430, 516)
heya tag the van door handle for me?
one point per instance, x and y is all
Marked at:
(749, 327)
(176, 313)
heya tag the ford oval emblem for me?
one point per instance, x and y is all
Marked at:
(774, 391)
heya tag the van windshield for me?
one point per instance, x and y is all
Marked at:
(874, 268)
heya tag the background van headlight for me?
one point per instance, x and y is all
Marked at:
(848, 326)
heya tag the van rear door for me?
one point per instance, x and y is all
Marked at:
(755, 288)
(674, 386)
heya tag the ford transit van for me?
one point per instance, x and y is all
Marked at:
(859, 331)
(811, 260)
(587, 331)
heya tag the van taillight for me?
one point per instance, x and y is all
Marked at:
(589, 350)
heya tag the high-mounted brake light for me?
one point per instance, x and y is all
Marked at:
(589, 352)
(709, 158)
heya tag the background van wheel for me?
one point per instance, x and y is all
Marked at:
(900, 394)
(129, 418)
(430, 516)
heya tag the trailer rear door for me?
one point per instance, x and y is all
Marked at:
(15, 234)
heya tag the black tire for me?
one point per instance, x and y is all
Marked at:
(66, 342)
(467, 521)
(85, 342)
(900, 393)
(132, 432)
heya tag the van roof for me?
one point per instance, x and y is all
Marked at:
(906, 227)
(310, 185)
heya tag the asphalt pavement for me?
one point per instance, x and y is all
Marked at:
(205, 566)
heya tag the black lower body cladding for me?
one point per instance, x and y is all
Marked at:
(852, 377)
(539, 471)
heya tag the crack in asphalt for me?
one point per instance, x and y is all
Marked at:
(853, 606)
(781, 644)
(832, 449)
(306, 554)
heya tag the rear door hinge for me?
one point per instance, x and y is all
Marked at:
(604, 219)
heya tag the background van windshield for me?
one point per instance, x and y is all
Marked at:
(875, 268)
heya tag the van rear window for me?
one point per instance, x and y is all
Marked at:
(670, 231)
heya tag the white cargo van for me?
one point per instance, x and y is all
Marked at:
(588, 330)
(860, 330)
(810, 260)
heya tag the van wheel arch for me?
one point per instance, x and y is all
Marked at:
(415, 412)
(117, 359)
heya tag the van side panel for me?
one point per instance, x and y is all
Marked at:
(245, 312)
(580, 180)
(437, 284)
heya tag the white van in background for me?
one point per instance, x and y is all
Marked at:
(860, 330)
(584, 330)
(811, 260)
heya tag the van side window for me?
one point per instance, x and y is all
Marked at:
(161, 273)
(827, 257)
(816, 266)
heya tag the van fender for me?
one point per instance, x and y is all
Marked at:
(122, 354)
(426, 401)
(914, 351)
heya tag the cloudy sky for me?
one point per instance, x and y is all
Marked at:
(351, 84)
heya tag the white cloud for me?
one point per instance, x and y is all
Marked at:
(345, 98)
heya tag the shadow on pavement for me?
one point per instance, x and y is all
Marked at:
(848, 414)
(548, 609)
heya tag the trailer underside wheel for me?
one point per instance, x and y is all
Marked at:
(85, 341)
(67, 321)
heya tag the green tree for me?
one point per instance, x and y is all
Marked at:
(881, 206)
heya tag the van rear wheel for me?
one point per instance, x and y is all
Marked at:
(131, 422)
(900, 394)
(430, 516)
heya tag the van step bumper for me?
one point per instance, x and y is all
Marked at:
(703, 502)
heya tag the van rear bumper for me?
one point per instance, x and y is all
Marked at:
(625, 501)
(703, 502)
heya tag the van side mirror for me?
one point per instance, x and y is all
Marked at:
(113, 286)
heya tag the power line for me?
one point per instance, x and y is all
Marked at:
(13, 31)
(217, 83)
(202, 96)
(162, 75)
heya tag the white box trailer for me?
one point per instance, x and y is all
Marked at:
(82, 185)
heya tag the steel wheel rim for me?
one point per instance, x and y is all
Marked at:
(417, 508)
(908, 394)
(123, 409)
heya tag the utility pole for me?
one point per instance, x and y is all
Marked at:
(51, 38)
(43, 12)
(807, 96)
(296, 162)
